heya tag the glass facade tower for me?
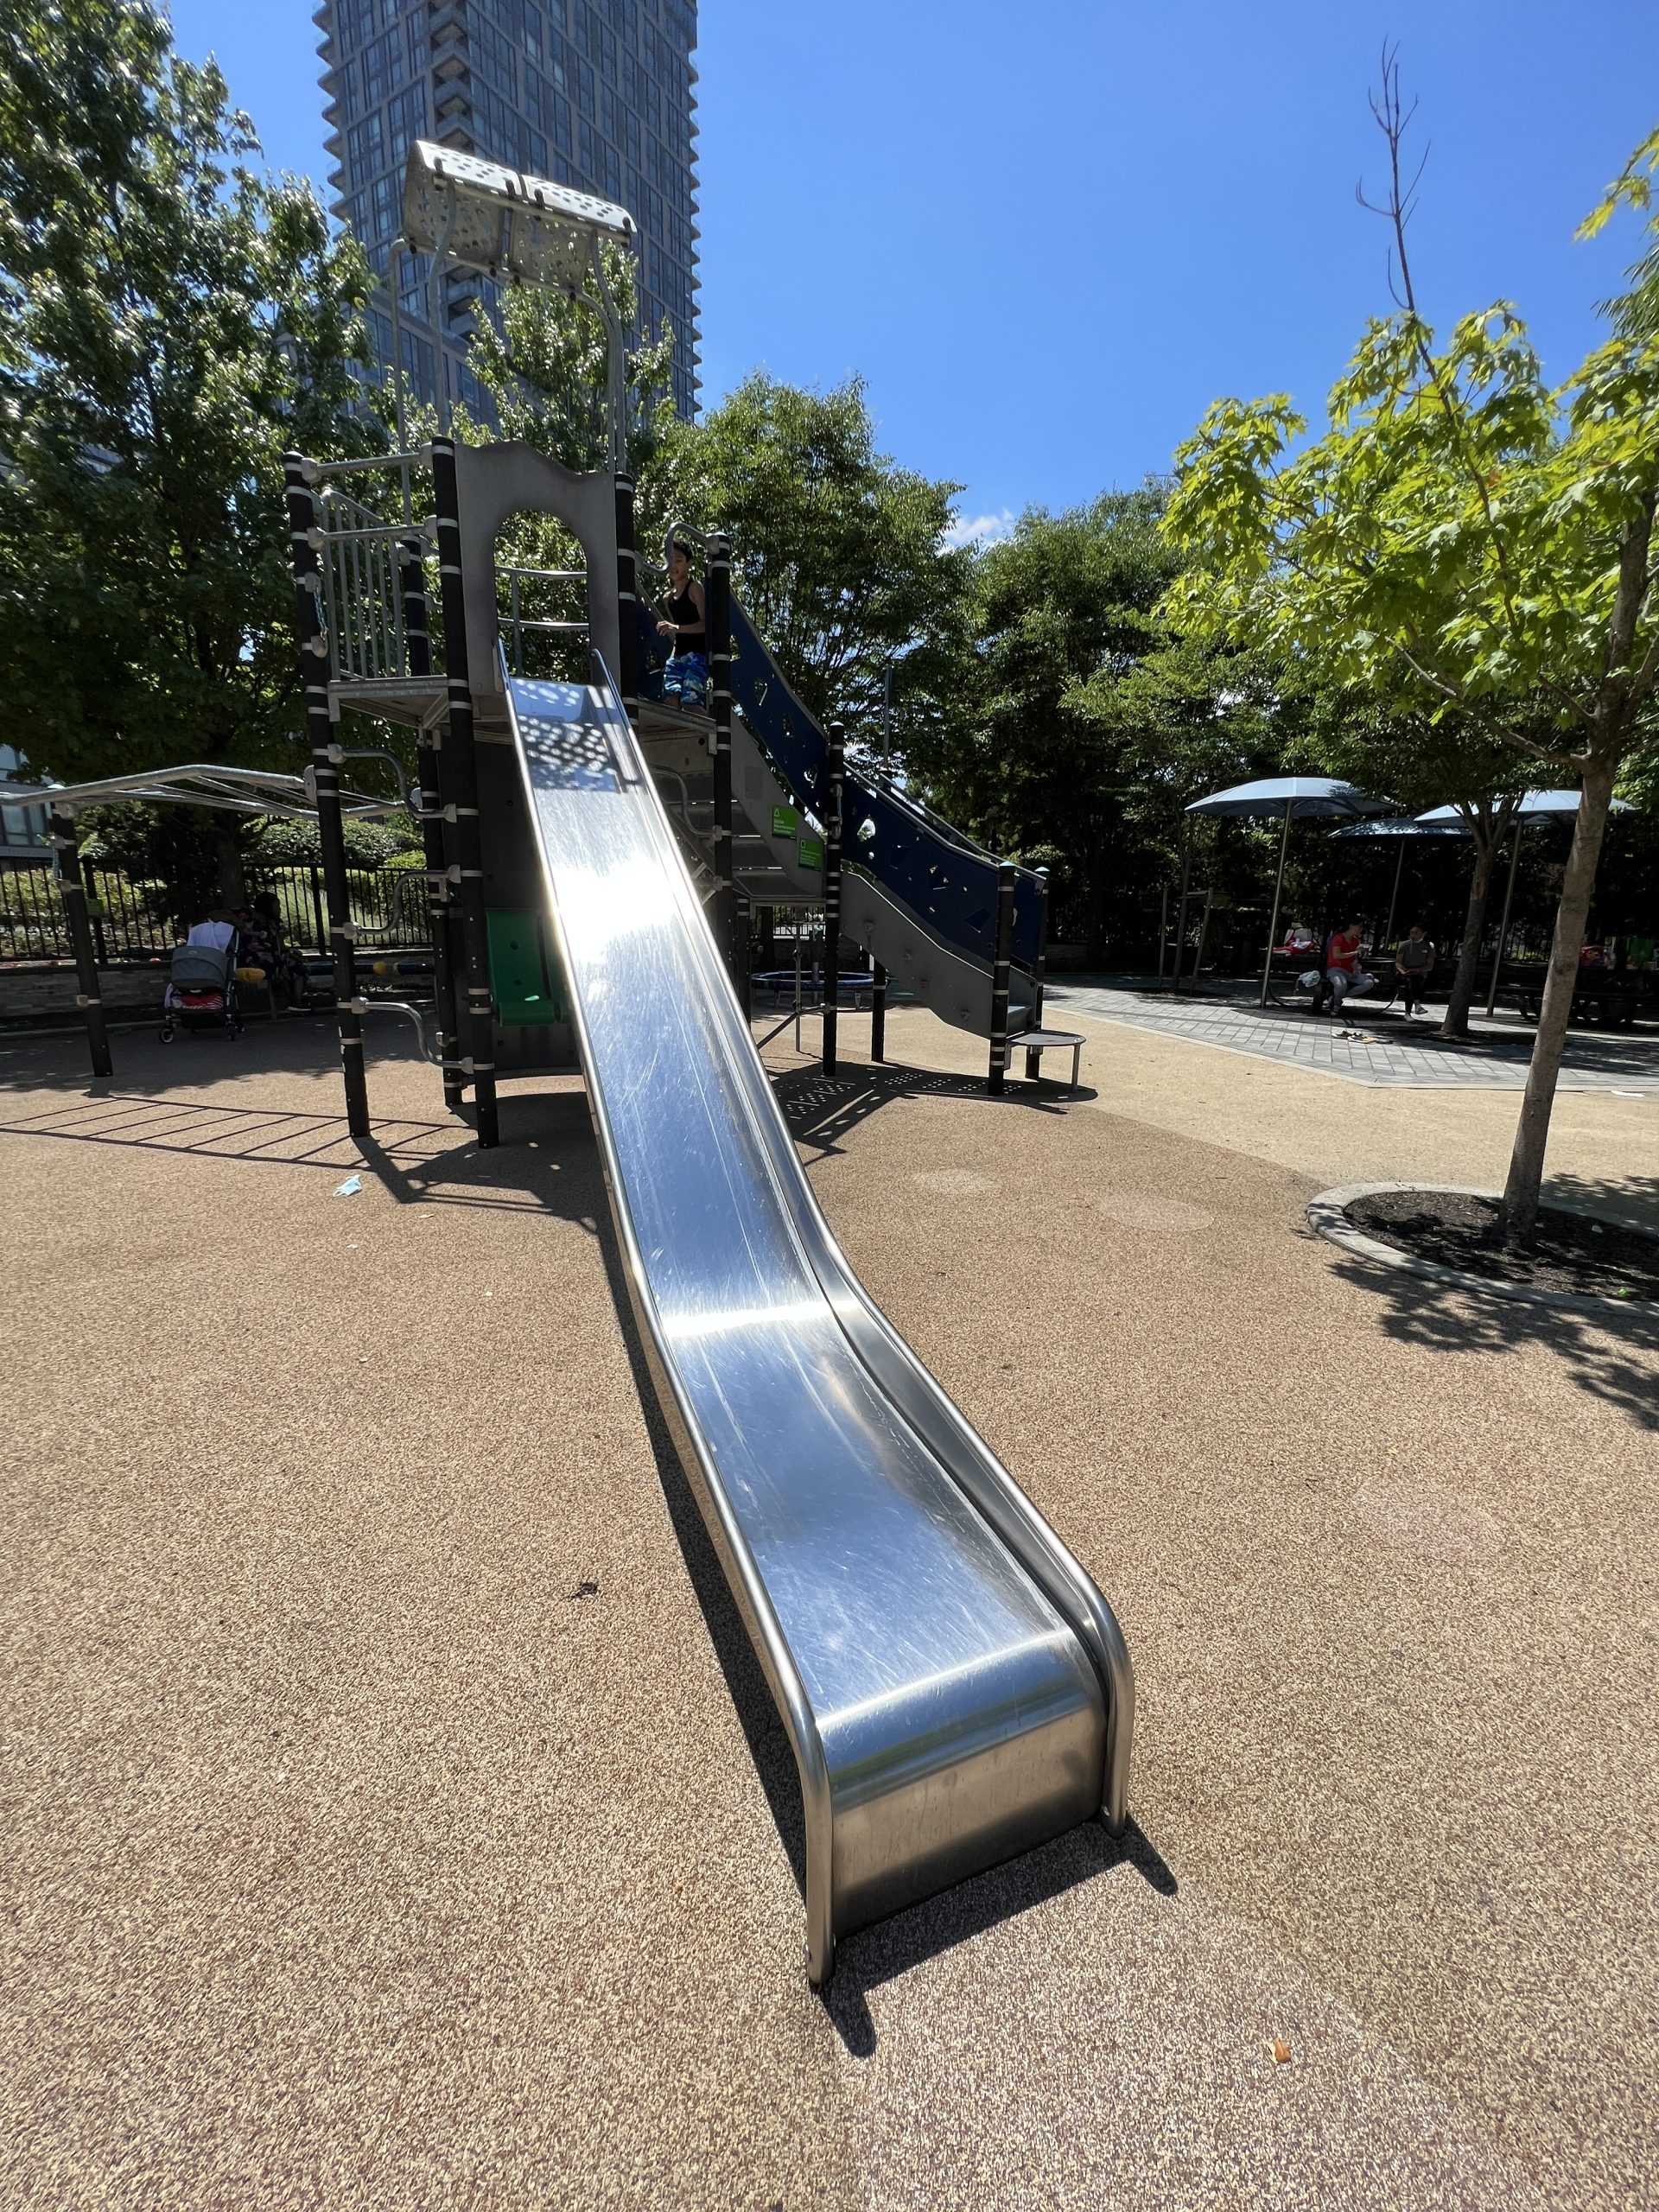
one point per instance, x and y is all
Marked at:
(599, 94)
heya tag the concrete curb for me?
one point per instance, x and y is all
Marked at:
(1327, 1219)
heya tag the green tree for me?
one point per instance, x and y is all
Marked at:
(543, 360)
(169, 322)
(1463, 541)
(1080, 725)
(839, 555)
(1423, 759)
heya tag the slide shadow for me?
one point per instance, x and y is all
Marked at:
(937, 1924)
(823, 1108)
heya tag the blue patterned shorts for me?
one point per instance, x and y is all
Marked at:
(686, 678)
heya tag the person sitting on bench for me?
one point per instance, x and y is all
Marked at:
(1342, 965)
(1414, 963)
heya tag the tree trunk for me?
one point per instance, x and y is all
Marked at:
(1456, 1025)
(1518, 1220)
(232, 883)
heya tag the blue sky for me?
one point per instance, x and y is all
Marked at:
(1047, 234)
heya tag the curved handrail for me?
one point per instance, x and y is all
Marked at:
(946, 880)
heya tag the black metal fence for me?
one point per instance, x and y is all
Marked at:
(130, 919)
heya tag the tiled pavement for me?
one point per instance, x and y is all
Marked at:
(1380, 1048)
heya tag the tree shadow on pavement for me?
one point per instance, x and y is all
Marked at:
(822, 1108)
(1616, 1360)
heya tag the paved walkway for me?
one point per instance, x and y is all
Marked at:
(1372, 1047)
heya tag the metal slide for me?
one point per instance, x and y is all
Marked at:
(955, 1688)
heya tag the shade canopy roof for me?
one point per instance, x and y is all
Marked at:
(1536, 806)
(1403, 825)
(485, 216)
(231, 791)
(1274, 797)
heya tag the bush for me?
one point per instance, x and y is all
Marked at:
(297, 844)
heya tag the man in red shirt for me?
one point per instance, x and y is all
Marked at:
(1341, 964)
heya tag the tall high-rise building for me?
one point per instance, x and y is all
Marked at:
(599, 94)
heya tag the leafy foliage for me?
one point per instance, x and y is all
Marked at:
(1464, 546)
(169, 322)
(839, 555)
(1081, 725)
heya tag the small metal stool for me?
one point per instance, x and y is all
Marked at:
(1051, 1040)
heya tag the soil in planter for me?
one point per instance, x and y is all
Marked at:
(1588, 1259)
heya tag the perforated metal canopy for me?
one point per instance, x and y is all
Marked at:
(201, 783)
(482, 215)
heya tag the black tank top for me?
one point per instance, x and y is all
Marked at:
(683, 614)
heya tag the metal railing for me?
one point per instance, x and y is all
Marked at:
(130, 917)
(542, 588)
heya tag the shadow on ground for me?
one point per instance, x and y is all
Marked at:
(877, 1955)
(548, 1157)
(823, 1108)
(1616, 1360)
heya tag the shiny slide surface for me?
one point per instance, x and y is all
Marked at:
(955, 1688)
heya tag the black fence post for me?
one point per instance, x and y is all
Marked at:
(1034, 1060)
(325, 772)
(1002, 963)
(835, 775)
(460, 784)
(417, 645)
(628, 601)
(717, 623)
(73, 891)
(879, 1012)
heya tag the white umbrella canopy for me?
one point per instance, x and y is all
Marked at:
(1536, 806)
(1275, 798)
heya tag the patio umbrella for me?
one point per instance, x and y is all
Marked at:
(1283, 799)
(1399, 826)
(1536, 806)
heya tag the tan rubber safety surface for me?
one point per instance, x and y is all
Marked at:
(393, 1817)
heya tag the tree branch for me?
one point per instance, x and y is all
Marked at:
(1393, 123)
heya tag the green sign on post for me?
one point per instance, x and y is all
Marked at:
(810, 852)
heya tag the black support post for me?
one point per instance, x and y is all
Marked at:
(628, 601)
(88, 995)
(1034, 1060)
(325, 769)
(460, 788)
(835, 777)
(1181, 912)
(741, 953)
(1003, 962)
(94, 911)
(879, 1013)
(417, 645)
(717, 622)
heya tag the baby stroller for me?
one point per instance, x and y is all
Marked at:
(201, 987)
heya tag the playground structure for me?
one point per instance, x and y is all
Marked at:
(955, 1688)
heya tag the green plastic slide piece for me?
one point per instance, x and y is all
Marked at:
(525, 977)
